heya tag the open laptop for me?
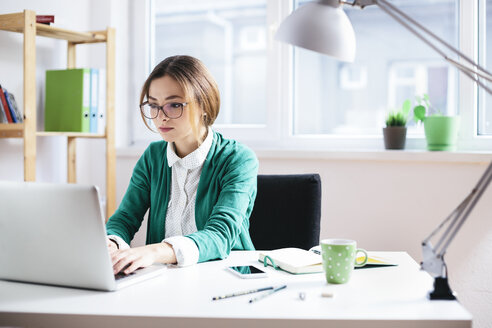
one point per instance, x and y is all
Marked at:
(55, 234)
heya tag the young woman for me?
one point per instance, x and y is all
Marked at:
(198, 186)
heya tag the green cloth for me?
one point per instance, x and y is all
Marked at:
(224, 199)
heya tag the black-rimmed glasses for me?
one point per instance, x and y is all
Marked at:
(171, 110)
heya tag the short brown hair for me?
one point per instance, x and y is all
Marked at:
(197, 83)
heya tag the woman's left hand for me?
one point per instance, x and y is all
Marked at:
(131, 259)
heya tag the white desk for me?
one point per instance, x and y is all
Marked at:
(374, 297)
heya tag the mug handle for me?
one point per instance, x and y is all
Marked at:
(357, 265)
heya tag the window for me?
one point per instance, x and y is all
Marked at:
(230, 38)
(391, 65)
(435, 78)
(278, 96)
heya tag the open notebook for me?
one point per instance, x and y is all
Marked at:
(299, 261)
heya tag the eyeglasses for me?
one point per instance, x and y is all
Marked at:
(171, 110)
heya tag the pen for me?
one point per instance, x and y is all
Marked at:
(241, 293)
(266, 294)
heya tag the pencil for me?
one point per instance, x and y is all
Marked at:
(241, 293)
(266, 294)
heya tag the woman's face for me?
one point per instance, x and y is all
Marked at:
(165, 90)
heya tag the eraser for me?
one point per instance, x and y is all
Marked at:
(327, 294)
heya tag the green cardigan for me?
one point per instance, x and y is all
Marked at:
(224, 199)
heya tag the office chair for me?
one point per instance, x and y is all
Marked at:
(287, 212)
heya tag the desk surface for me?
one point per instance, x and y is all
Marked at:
(374, 297)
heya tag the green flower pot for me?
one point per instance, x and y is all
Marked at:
(441, 132)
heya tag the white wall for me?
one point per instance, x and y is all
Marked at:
(383, 204)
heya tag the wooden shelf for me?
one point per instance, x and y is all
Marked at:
(11, 126)
(71, 36)
(16, 130)
(12, 130)
(70, 134)
(25, 23)
(11, 22)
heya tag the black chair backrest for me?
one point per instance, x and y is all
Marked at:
(287, 212)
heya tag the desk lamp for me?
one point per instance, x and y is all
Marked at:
(323, 26)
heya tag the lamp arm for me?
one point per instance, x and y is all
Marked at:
(386, 6)
(480, 73)
(433, 261)
(468, 72)
(412, 25)
(452, 226)
(390, 10)
(476, 194)
(433, 258)
(454, 214)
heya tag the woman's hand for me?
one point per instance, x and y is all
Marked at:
(131, 259)
(112, 247)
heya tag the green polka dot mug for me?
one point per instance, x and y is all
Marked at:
(339, 259)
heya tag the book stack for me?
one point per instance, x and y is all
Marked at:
(75, 100)
(9, 111)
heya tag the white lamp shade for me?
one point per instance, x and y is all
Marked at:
(322, 27)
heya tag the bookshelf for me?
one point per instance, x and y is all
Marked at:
(25, 23)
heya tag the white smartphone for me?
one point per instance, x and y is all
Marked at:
(247, 271)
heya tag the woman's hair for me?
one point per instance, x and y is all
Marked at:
(197, 83)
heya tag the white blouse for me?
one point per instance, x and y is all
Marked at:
(180, 216)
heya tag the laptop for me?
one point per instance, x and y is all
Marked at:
(55, 234)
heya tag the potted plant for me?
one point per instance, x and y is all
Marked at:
(441, 132)
(395, 132)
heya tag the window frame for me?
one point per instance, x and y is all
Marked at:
(469, 139)
(482, 55)
(277, 132)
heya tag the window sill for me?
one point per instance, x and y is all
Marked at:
(475, 157)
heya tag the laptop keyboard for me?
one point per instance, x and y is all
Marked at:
(123, 280)
(121, 275)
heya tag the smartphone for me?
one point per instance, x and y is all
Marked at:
(247, 271)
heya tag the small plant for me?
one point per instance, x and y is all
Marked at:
(399, 117)
(423, 107)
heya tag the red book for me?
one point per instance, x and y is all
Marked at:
(45, 19)
(5, 105)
